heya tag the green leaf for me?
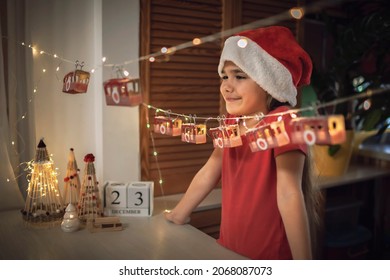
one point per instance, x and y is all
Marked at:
(333, 149)
(371, 120)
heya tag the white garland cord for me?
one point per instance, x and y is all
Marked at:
(366, 94)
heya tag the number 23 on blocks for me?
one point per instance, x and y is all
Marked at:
(128, 199)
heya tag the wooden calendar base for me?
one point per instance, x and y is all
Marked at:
(103, 224)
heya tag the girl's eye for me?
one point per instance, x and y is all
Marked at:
(240, 77)
(225, 77)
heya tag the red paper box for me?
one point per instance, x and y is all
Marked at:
(122, 92)
(76, 82)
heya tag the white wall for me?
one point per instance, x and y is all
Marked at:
(86, 31)
(121, 124)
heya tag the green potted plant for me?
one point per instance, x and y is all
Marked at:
(360, 61)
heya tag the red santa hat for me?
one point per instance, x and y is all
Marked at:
(272, 58)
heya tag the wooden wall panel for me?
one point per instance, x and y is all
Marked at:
(187, 82)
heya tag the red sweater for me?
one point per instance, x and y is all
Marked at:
(251, 224)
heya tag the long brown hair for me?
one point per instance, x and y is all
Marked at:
(311, 192)
(313, 202)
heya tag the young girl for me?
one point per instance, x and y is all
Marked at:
(266, 196)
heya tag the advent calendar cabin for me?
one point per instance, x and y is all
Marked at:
(319, 130)
(268, 136)
(193, 133)
(167, 125)
(76, 82)
(226, 136)
(122, 92)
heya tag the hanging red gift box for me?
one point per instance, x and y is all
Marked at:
(193, 133)
(226, 136)
(76, 82)
(167, 125)
(268, 136)
(318, 130)
(122, 92)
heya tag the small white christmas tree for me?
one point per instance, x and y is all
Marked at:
(71, 220)
(72, 181)
(89, 206)
(43, 204)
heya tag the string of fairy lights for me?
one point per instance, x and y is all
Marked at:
(160, 56)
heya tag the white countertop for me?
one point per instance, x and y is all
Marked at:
(143, 238)
(149, 238)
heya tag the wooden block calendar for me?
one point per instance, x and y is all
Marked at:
(128, 199)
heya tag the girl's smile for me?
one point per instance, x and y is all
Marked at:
(243, 96)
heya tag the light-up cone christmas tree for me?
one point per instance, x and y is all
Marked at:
(89, 206)
(44, 205)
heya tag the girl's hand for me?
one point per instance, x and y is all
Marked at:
(170, 216)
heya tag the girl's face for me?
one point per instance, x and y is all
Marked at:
(242, 95)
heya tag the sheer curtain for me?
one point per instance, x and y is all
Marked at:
(17, 128)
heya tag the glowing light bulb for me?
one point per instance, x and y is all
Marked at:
(242, 43)
(152, 59)
(196, 41)
(367, 104)
(296, 13)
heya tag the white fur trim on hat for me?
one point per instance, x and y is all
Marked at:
(261, 67)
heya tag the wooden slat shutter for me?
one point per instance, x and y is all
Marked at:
(253, 10)
(187, 83)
